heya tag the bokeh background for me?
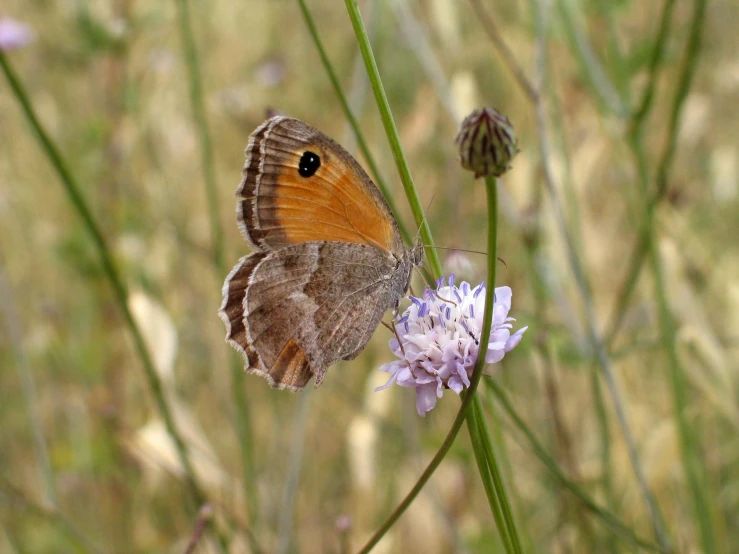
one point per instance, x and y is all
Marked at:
(86, 463)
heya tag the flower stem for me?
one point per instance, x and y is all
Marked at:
(479, 433)
(474, 382)
(74, 193)
(497, 475)
(392, 135)
(476, 432)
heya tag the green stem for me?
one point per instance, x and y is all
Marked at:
(640, 114)
(121, 294)
(584, 288)
(690, 447)
(475, 430)
(688, 440)
(500, 444)
(492, 193)
(201, 122)
(690, 62)
(350, 117)
(392, 135)
(623, 531)
(497, 477)
(243, 417)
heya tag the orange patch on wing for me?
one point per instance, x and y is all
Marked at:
(335, 207)
(291, 369)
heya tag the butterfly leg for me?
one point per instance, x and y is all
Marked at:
(394, 329)
(436, 294)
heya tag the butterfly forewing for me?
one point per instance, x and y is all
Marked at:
(301, 186)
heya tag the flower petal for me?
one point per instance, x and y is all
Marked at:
(455, 383)
(425, 399)
(514, 339)
(393, 378)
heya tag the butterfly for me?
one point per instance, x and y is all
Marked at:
(328, 259)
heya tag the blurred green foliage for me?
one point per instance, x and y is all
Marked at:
(85, 464)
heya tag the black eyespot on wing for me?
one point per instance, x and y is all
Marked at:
(309, 164)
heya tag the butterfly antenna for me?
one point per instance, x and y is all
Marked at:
(501, 260)
(417, 239)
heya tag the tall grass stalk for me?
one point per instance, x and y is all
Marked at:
(583, 286)
(690, 446)
(207, 160)
(349, 114)
(194, 80)
(664, 166)
(74, 193)
(622, 530)
(485, 455)
(392, 135)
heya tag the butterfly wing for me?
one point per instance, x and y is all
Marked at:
(232, 307)
(306, 306)
(299, 185)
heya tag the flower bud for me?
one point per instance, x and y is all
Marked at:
(14, 34)
(486, 143)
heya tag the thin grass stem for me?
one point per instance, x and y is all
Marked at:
(201, 122)
(392, 135)
(497, 476)
(110, 269)
(592, 68)
(622, 531)
(505, 53)
(349, 114)
(583, 287)
(690, 447)
(635, 135)
(475, 430)
(207, 160)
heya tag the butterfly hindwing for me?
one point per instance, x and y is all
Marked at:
(317, 301)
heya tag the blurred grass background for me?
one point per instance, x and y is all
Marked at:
(85, 461)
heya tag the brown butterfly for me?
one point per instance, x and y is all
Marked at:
(328, 262)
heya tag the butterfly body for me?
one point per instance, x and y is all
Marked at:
(328, 262)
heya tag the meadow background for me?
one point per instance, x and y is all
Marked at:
(618, 229)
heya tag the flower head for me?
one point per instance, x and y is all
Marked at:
(14, 34)
(486, 143)
(440, 337)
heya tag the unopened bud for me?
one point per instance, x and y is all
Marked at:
(486, 142)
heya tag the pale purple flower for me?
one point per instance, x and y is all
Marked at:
(440, 334)
(14, 34)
